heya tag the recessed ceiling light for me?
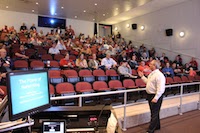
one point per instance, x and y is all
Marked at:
(95, 4)
(104, 14)
(75, 16)
(33, 10)
(84, 10)
(6, 6)
(36, 3)
(117, 8)
(93, 19)
(62, 7)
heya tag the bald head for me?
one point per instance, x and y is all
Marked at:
(155, 64)
(3, 53)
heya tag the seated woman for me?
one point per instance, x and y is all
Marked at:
(66, 62)
(176, 69)
(168, 71)
(133, 63)
(81, 62)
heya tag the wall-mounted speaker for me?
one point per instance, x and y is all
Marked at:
(169, 32)
(134, 26)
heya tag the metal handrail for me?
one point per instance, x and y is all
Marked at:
(80, 96)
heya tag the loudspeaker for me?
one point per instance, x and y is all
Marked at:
(169, 32)
(134, 26)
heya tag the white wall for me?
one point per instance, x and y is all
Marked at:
(16, 19)
(181, 17)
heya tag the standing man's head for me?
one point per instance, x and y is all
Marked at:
(154, 64)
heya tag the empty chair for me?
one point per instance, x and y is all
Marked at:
(187, 87)
(100, 75)
(46, 57)
(51, 90)
(115, 85)
(134, 72)
(141, 84)
(71, 76)
(72, 57)
(100, 86)
(85, 88)
(86, 75)
(63, 52)
(37, 65)
(54, 65)
(58, 57)
(185, 79)
(112, 74)
(177, 79)
(30, 52)
(66, 89)
(130, 84)
(41, 52)
(55, 76)
(170, 80)
(172, 90)
(21, 65)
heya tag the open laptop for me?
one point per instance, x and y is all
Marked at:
(54, 126)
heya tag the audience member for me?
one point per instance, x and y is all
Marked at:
(81, 63)
(193, 63)
(125, 70)
(168, 71)
(53, 50)
(133, 63)
(60, 44)
(122, 57)
(21, 54)
(192, 72)
(176, 69)
(23, 28)
(5, 60)
(108, 62)
(93, 63)
(66, 62)
(144, 68)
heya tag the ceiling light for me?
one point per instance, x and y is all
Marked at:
(142, 27)
(117, 8)
(62, 7)
(128, 25)
(36, 3)
(93, 19)
(95, 4)
(116, 28)
(75, 17)
(104, 14)
(33, 10)
(182, 34)
(84, 11)
(6, 6)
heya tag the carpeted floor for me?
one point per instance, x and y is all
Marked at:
(187, 123)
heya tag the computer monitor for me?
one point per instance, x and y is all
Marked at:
(54, 126)
(28, 93)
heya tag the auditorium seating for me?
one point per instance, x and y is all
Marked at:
(55, 76)
(71, 76)
(100, 75)
(21, 65)
(86, 75)
(37, 65)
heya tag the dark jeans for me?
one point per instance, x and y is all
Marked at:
(155, 110)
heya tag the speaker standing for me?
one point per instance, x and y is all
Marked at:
(155, 87)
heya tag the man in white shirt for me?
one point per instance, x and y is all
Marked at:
(108, 62)
(53, 50)
(125, 70)
(155, 87)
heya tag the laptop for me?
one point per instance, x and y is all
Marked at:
(54, 126)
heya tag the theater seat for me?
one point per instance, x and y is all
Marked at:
(100, 75)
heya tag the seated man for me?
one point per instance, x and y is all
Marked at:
(144, 68)
(93, 63)
(66, 62)
(6, 62)
(53, 50)
(125, 70)
(168, 71)
(21, 54)
(108, 62)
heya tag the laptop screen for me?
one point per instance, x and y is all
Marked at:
(54, 127)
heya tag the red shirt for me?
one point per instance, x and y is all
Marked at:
(64, 62)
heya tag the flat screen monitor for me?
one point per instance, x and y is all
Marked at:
(51, 22)
(54, 126)
(28, 93)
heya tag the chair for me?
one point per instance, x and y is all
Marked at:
(30, 52)
(71, 76)
(101, 86)
(55, 76)
(46, 57)
(115, 85)
(72, 57)
(52, 90)
(187, 87)
(37, 65)
(66, 89)
(192, 79)
(58, 57)
(141, 84)
(130, 84)
(85, 88)
(134, 72)
(21, 65)
(112, 74)
(100, 75)
(54, 65)
(86, 75)
(171, 90)
(177, 79)
(41, 52)
(63, 52)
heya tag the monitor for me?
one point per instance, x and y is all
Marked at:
(54, 126)
(51, 22)
(28, 93)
